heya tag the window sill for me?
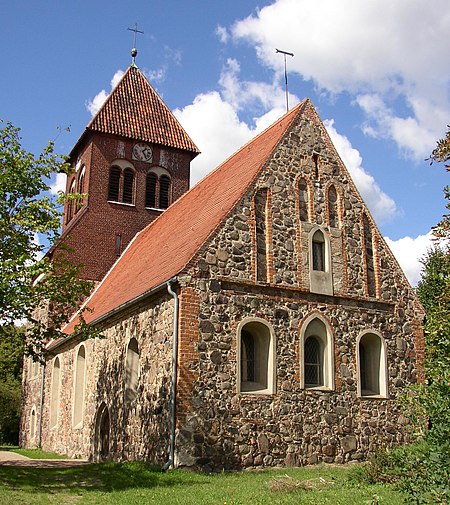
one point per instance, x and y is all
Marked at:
(254, 388)
(369, 396)
(122, 203)
(155, 208)
(319, 389)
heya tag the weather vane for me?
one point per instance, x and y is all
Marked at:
(134, 50)
(285, 53)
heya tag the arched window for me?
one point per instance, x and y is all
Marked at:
(333, 219)
(303, 196)
(114, 184)
(128, 186)
(317, 355)
(260, 202)
(372, 370)
(80, 188)
(131, 370)
(256, 357)
(33, 423)
(318, 251)
(164, 189)
(369, 257)
(54, 399)
(71, 204)
(79, 386)
(150, 190)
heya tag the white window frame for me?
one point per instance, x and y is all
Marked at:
(79, 424)
(257, 326)
(320, 281)
(382, 368)
(325, 336)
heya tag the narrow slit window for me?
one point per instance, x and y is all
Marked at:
(316, 165)
(247, 357)
(164, 191)
(128, 185)
(150, 190)
(369, 257)
(332, 207)
(114, 184)
(303, 197)
(261, 234)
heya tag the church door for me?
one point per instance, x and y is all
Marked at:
(102, 430)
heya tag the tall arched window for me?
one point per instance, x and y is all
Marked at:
(372, 370)
(303, 196)
(128, 186)
(318, 251)
(71, 204)
(260, 202)
(164, 190)
(150, 190)
(33, 423)
(333, 219)
(114, 184)
(79, 386)
(54, 399)
(369, 257)
(317, 355)
(256, 357)
(131, 370)
(80, 188)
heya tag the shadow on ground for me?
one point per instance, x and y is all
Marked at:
(105, 477)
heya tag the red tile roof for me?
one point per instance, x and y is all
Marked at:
(134, 110)
(162, 249)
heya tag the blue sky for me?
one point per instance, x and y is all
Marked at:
(377, 71)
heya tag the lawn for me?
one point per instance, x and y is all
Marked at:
(138, 483)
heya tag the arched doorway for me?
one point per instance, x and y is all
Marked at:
(102, 434)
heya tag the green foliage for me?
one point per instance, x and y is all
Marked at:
(27, 210)
(11, 351)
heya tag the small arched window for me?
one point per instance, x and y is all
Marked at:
(128, 186)
(79, 386)
(256, 358)
(303, 196)
(150, 190)
(318, 251)
(114, 184)
(131, 370)
(372, 369)
(317, 355)
(54, 399)
(333, 219)
(369, 257)
(164, 190)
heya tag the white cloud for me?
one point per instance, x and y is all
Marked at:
(59, 184)
(94, 105)
(222, 34)
(409, 251)
(396, 52)
(380, 204)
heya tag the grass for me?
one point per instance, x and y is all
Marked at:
(137, 483)
(32, 453)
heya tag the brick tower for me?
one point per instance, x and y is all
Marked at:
(132, 161)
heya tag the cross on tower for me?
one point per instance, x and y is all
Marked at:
(134, 50)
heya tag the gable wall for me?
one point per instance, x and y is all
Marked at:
(295, 426)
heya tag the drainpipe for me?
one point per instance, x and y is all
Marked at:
(173, 398)
(41, 406)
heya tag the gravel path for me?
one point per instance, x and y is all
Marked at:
(9, 458)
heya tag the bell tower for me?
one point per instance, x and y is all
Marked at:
(131, 162)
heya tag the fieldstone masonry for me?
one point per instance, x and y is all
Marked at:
(218, 426)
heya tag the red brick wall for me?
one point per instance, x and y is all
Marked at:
(91, 234)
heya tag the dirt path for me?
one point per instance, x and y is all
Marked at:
(9, 458)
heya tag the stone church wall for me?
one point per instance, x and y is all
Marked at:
(139, 429)
(295, 425)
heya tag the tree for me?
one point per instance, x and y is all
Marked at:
(28, 280)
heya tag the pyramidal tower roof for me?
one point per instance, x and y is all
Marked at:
(134, 110)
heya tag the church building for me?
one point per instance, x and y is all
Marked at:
(257, 319)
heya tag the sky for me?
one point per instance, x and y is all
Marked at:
(377, 71)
